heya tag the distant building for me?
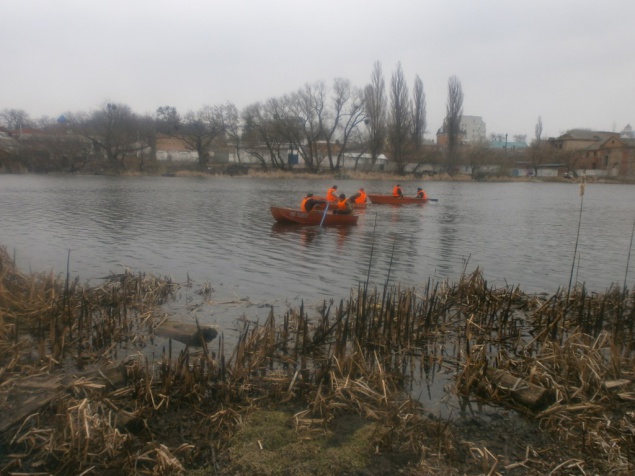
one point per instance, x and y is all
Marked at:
(472, 130)
(599, 153)
(508, 146)
(627, 132)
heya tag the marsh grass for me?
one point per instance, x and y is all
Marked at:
(314, 388)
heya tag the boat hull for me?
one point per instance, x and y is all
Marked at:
(290, 215)
(390, 200)
(356, 206)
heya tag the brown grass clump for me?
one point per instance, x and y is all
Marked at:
(319, 393)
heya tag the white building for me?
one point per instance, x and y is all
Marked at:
(474, 128)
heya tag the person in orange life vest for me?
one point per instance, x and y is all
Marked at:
(396, 192)
(331, 195)
(309, 202)
(421, 193)
(361, 196)
(344, 206)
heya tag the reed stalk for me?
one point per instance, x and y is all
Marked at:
(577, 237)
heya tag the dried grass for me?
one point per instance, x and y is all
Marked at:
(357, 357)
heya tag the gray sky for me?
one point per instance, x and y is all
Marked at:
(571, 62)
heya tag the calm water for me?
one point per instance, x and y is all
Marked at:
(220, 230)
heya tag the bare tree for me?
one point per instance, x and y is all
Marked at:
(339, 120)
(539, 152)
(400, 122)
(148, 130)
(300, 117)
(15, 119)
(113, 129)
(233, 127)
(352, 116)
(477, 155)
(168, 120)
(199, 129)
(419, 123)
(262, 135)
(453, 115)
(538, 130)
(376, 105)
(520, 138)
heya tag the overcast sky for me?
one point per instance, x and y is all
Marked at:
(572, 62)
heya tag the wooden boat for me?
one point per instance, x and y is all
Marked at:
(390, 200)
(356, 206)
(314, 217)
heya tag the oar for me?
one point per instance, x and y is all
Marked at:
(326, 209)
(432, 199)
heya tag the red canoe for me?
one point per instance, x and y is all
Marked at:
(390, 200)
(357, 206)
(290, 215)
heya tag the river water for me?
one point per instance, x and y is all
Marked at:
(220, 230)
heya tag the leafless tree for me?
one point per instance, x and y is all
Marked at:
(168, 120)
(538, 129)
(376, 106)
(233, 127)
(300, 117)
(15, 119)
(344, 112)
(113, 129)
(262, 135)
(353, 115)
(453, 115)
(419, 122)
(148, 131)
(400, 121)
(199, 129)
(520, 138)
(477, 156)
(539, 151)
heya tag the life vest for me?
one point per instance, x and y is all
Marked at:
(361, 198)
(344, 206)
(396, 192)
(331, 195)
(422, 194)
(303, 204)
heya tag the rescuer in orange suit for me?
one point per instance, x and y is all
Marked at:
(421, 193)
(361, 196)
(344, 206)
(396, 192)
(309, 202)
(331, 195)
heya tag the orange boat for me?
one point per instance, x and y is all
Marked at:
(314, 217)
(390, 200)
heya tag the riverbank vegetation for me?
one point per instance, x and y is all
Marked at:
(321, 390)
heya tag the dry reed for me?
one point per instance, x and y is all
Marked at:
(564, 361)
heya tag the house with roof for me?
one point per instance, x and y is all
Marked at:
(599, 153)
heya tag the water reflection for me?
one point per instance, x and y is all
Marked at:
(307, 234)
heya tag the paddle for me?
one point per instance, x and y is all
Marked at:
(326, 209)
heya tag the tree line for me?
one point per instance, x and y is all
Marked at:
(320, 122)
